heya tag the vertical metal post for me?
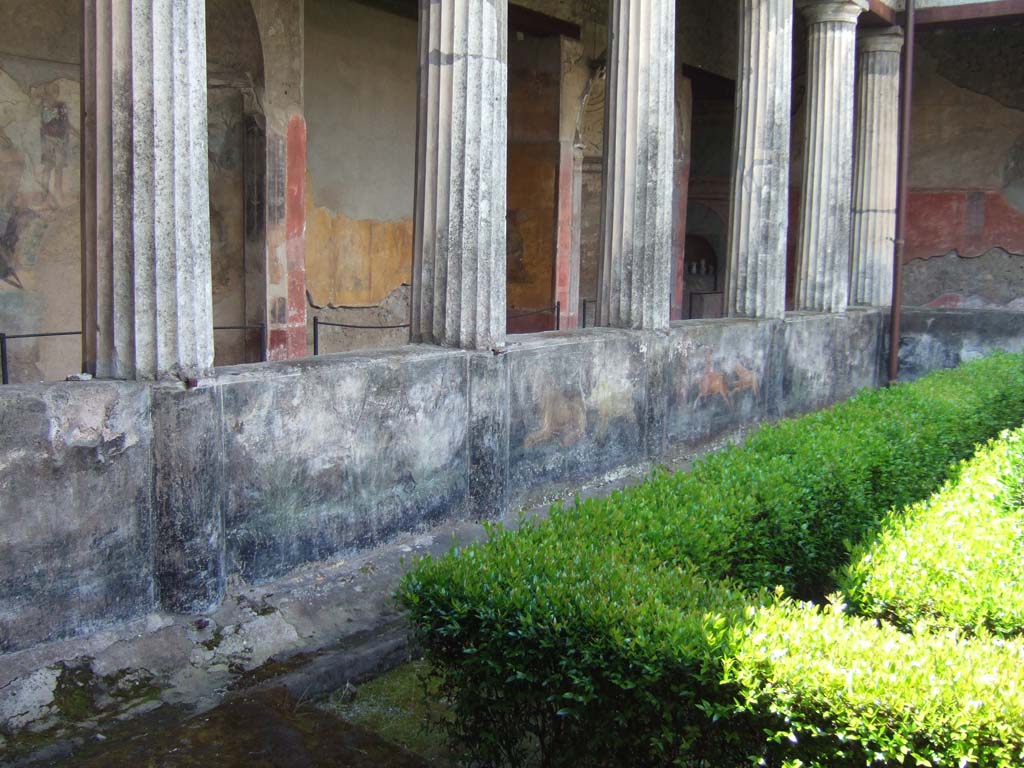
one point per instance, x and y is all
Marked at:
(3, 359)
(316, 335)
(584, 314)
(558, 315)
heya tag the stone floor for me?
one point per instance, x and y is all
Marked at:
(264, 729)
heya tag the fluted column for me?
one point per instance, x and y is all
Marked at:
(876, 156)
(459, 250)
(147, 304)
(759, 210)
(636, 269)
(823, 253)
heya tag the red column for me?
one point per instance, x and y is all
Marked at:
(287, 338)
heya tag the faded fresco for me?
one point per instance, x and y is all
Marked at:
(360, 105)
(573, 410)
(39, 215)
(720, 376)
(717, 384)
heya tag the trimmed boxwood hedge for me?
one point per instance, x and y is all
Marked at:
(597, 637)
(947, 690)
(955, 560)
(847, 691)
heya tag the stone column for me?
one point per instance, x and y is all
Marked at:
(875, 172)
(759, 210)
(681, 194)
(458, 296)
(145, 197)
(636, 269)
(574, 80)
(823, 251)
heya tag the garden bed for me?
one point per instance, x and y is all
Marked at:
(599, 636)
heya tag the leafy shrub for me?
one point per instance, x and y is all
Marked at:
(562, 650)
(597, 636)
(786, 507)
(956, 560)
(848, 691)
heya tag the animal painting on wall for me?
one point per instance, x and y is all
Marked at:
(715, 386)
(563, 418)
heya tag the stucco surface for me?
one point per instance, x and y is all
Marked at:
(121, 498)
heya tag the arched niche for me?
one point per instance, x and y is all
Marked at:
(703, 262)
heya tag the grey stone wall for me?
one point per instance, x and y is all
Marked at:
(76, 506)
(931, 339)
(118, 499)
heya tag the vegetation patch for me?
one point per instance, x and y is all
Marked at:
(402, 706)
(956, 560)
(599, 636)
(846, 691)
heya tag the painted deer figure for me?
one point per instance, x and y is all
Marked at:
(712, 383)
(746, 379)
(563, 416)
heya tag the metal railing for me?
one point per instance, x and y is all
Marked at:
(5, 374)
(557, 310)
(5, 377)
(318, 323)
(245, 344)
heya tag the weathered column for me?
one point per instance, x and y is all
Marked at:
(636, 268)
(876, 156)
(759, 211)
(458, 294)
(823, 252)
(683, 157)
(147, 306)
(573, 84)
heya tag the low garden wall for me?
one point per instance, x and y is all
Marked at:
(120, 498)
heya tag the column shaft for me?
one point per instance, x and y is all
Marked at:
(459, 250)
(636, 270)
(875, 171)
(759, 212)
(146, 228)
(823, 253)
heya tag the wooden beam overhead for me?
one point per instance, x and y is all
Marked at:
(999, 10)
(538, 24)
(520, 19)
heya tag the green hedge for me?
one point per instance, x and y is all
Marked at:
(956, 560)
(597, 636)
(848, 691)
(574, 652)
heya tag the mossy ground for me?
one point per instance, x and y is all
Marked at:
(261, 729)
(402, 707)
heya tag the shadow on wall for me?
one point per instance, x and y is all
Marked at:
(965, 237)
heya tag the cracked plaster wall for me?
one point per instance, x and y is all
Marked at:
(360, 69)
(965, 239)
